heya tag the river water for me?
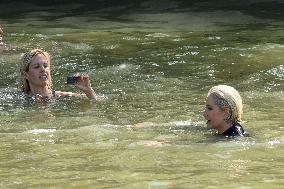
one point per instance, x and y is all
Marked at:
(155, 61)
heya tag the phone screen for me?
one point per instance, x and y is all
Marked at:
(71, 80)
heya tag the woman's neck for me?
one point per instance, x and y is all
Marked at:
(43, 91)
(224, 127)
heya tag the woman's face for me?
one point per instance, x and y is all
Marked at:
(39, 71)
(215, 117)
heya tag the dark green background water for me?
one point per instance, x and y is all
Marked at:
(155, 61)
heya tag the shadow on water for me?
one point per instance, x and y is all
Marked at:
(268, 9)
(252, 14)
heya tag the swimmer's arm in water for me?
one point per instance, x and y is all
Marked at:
(71, 94)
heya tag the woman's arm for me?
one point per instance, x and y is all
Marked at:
(83, 83)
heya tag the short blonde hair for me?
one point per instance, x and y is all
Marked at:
(24, 67)
(228, 97)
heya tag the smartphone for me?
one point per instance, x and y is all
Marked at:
(71, 80)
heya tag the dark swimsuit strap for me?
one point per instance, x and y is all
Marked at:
(53, 93)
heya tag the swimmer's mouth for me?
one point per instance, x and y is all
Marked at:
(43, 77)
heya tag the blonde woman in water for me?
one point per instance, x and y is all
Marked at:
(35, 79)
(223, 111)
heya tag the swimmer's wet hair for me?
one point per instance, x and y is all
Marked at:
(228, 97)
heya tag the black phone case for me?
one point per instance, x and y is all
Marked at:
(71, 80)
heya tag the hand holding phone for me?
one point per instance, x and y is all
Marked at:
(72, 80)
(83, 83)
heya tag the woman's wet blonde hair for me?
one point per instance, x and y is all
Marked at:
(24, 67)
(228, 97)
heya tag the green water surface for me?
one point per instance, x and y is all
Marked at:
(155, 61)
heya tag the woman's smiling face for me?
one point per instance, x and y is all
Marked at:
(215, 116)
(39, 71)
